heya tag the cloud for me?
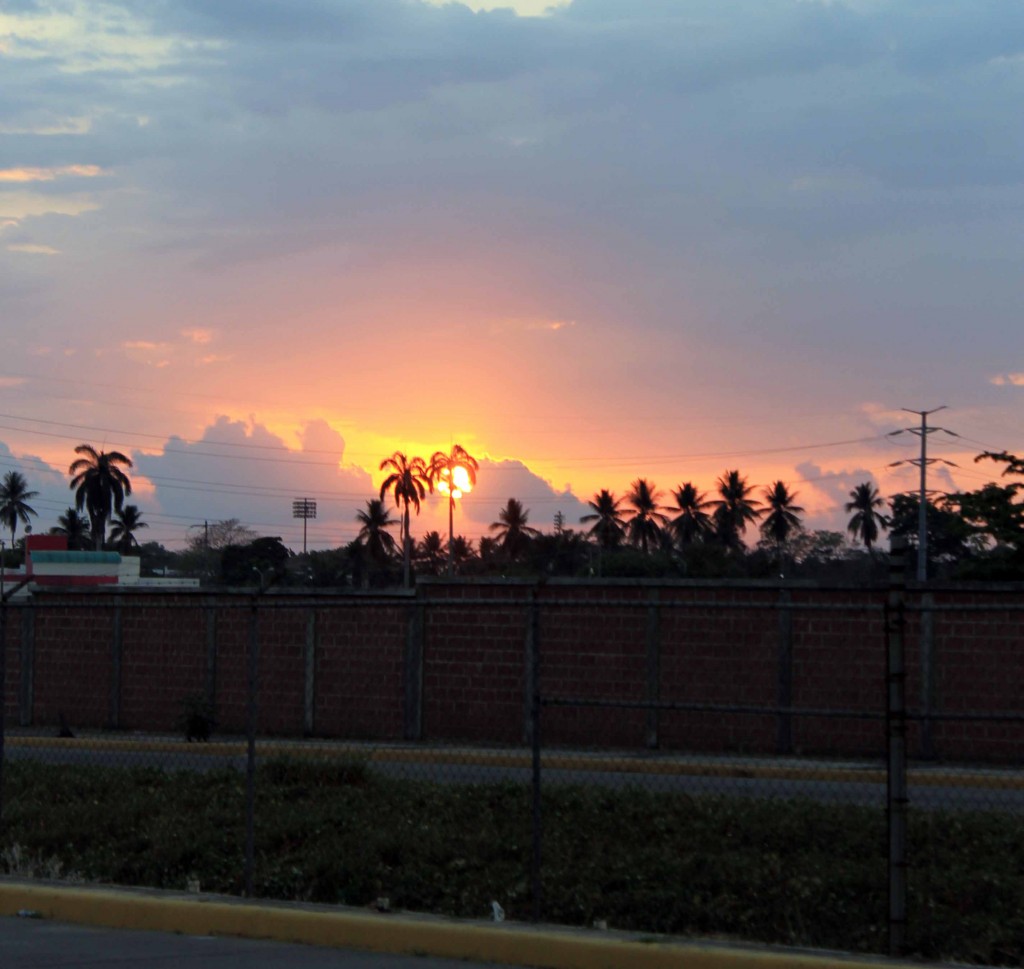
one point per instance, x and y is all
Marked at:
(498, 481)
(528, 324)
(238, 469)
(198, 335)
(56, 126)
(18, 206)
(49, 174)
(1007, 379)
(834, 487)
(32, 248)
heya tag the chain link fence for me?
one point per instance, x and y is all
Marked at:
(777, 763)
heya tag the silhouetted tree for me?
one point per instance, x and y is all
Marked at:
(430, 551)
(735, 509)
(462, 552)
(74, 528)
(691, 522)
(993, 513)
(608, 528)
(443, 473)
(511, 529)
(374, 523)
(261, 562)
(14, 498)
(126, 523)
(645, 525)
(409, 480)
(866, 521)
(950, 538)
(782, 517)
(100, 486)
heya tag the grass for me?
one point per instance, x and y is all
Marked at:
(790, 872)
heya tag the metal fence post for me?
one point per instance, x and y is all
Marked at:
(896, 747)
(26, 688)
(784, 686)
(116, 656)
(412, 673)
(653, 647)
(210, 611)
(533, 659)
(3, 689)
(309, 675)
(250, 759)
(927, 674)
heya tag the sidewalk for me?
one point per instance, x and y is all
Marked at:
(135, 926)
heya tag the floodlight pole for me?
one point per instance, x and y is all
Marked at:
(304, 508)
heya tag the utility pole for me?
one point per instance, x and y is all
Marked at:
(922, 462)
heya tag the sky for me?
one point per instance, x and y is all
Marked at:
(259, 246)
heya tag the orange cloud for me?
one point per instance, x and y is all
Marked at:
(198, 335)
(33, 249)
(49, 174)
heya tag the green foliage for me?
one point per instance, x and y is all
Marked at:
(156, 559)
(261, 562)
(197, 717)
(791, 872)
(949, 536)
(991, 512)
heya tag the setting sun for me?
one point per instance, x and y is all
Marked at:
(461, 480)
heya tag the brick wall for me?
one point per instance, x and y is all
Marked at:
(451, 664)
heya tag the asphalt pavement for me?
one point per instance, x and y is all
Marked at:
(863, 782)
(31, 943)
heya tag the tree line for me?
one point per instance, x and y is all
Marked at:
(738, 529)
(101, 484)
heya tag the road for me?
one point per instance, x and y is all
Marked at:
(27, 943)
(930, 787)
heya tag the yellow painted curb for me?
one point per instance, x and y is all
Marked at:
(507, 943)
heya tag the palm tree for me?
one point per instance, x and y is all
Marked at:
(74, 528)
(691, 523)
(126, 523)
(443, 473)
(648, 520)
(410, 481)
(430, 551)
(735, 509)
(511, 528)
(100, 486)
(14, 497)
(373, 535)
(608, 528)
(782, 517)
(462, 550)
(866, 521)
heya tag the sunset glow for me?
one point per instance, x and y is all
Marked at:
(261, 260)
(459, 477)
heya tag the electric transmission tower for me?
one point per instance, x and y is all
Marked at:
(922, 431)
